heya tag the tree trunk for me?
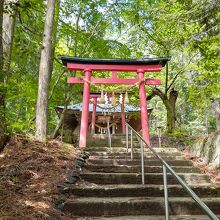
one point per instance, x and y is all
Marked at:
(61, 119)
(60, 122)
(216, 111)
(2, 83)
(8, 32)
(45, 74)
(55, 26)
(170, 118)
(171, 111)
(67, 100)
(218, 121)
(170, 104)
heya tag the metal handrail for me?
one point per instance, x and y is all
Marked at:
(166, 167)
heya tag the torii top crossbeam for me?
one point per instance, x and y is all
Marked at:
(126, 65)
(88, 65)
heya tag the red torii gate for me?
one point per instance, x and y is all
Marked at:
(114, 65)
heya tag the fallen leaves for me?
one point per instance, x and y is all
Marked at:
(30, 172)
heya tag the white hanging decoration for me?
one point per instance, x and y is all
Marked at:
(102, 99)
(106, 98)
(126, 100)
(121, 98)
(113, 99)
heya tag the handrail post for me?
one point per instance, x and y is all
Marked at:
(131, 144)
(159, 135)
(142, 162)
(166, 201)
(127, 137)
(109, 136)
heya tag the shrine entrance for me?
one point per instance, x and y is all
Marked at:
(87, 65)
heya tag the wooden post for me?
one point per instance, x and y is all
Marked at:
(159, 135)
(94, 115)
(113, 129)
(85, 109)
(123, 118)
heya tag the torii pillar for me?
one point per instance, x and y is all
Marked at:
(143, 107)
(85, 108)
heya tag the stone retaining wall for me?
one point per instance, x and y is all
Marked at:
(208, 148)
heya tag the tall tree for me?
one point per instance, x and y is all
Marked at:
(9, 17)
(45, 73)
(2, 83)
(168, 97)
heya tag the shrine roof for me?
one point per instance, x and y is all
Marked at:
(103, 107)
(127, 62)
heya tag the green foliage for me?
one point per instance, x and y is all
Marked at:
(186, 30)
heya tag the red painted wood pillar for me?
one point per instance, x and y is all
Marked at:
(85, 109)
(94, 115)
(143, 107)
(123, 120)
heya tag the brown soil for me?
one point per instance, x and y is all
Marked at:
(30, 172)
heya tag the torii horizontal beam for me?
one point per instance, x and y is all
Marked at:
(122, 68)
(75, 80)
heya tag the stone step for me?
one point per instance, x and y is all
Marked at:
(119, 141)
(118, 206)
(149, 162)
(106, 149)
(136, 190)
(123, 149)
(114, 140)
(136, 156)
(113, 144)
(137, 169)
(113, 137)
(103, 136)
(150, 178)
(148, 217)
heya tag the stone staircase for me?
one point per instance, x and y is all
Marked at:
(110, 187)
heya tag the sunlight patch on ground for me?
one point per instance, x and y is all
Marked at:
(37, 205)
